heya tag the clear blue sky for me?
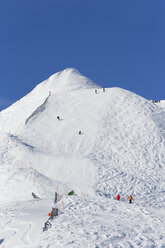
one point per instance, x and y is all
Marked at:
(118, 42)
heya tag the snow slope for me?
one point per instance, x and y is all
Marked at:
(120, 150)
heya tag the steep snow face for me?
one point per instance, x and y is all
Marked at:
(122, 136)
(122, 139)
(64, 81)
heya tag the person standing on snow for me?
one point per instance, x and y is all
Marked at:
(118, 197)
(130, 199)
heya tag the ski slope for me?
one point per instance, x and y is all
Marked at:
(121, 150)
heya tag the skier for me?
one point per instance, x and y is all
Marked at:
(103, 90)
(95, 91)
(130, 199)
(79, 132)
(118, 197)
(58, 118)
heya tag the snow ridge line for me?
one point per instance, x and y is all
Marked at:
(39, 109)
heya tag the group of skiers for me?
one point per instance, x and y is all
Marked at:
(96, 90)
(130, 198)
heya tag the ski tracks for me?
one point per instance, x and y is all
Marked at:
(100, 222)
(21, 225)
(140, 151)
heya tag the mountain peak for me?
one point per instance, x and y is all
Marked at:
(68, 80)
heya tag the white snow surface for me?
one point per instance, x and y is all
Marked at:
(121, 150)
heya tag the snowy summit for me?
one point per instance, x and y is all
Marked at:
(69, 134)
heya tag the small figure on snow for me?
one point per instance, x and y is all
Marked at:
(130, 199)
(58, 118)
(103, 90)
(95, 91)
(118, 197)
(79, 132)
(47, 225)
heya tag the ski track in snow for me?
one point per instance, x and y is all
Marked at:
(104, 223)
(121, 150)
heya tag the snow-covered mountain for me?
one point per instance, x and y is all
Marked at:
(120, 150)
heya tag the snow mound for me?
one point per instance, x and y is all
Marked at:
(69, 80)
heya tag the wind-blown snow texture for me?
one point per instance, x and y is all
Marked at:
(121, 150)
